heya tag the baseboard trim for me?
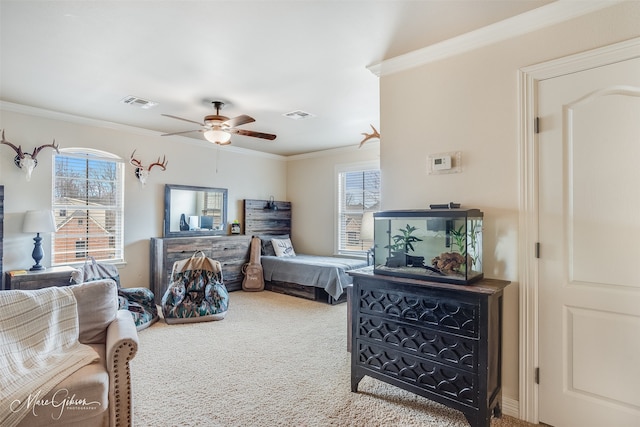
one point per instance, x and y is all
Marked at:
(511, 407)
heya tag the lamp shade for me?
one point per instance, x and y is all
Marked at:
(366, 226)
(39, 222)
(218, 136)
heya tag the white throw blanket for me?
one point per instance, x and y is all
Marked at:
(39, 347)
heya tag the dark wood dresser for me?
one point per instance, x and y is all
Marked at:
(438, 340)
(52, 276)
(231, 251)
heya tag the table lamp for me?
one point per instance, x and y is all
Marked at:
(38, 222)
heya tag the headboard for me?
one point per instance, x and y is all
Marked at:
(260, 218)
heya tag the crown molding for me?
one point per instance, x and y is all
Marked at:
(70, 118)
(545, 16)
(370, 145)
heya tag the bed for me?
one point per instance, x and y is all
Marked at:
(319, 278)
(312, 276)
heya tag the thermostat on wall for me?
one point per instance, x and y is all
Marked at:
(441, 163)
(444, 163)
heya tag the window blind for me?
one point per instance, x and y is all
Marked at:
(358, 192)
(88, 205)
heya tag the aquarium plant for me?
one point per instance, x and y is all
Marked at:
(473, 232)
(402, 244)
(459, 239)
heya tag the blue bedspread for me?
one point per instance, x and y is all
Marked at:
(328, 273)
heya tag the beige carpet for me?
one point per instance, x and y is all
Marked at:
(275, 360)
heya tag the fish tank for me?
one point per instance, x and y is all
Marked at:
(441, 245)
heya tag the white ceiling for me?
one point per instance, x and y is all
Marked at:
(263, 58)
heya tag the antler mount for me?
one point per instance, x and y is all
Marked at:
(27, 161)
(142, 172)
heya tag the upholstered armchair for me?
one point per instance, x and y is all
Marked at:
(98, 393)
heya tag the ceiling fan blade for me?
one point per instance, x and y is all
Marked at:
(184, 131)
(237, 121)
(180, 118)
(252, 133)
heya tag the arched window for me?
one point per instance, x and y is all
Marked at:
(88, 195)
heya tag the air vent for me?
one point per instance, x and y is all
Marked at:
(139, 102)
(298, 115)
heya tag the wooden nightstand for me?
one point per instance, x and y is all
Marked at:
(52, 276)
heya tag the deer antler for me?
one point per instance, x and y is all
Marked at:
(368, 136)
(37, 150)
(17, 149)
(141, 173)
(162, 164)
(25, 161)
(135, 162)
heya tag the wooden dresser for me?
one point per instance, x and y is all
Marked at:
(52, 276)
(437, 340)
(231, 251)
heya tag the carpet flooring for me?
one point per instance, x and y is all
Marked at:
(275, 360)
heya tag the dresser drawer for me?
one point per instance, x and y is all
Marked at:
(232, 272)
(231, 251)
(237, 245)
(431, 309)
(231, 269)
(185, 248)
(455, 384)
(221, 249)
(449, 349)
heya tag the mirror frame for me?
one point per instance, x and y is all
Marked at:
(167, 211)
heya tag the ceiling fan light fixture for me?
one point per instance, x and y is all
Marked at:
(218, 129)
(218, 137)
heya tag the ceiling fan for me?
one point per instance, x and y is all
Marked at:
(218, 129)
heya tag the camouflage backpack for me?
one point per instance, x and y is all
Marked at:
(196, 291)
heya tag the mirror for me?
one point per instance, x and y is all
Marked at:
(194, 211)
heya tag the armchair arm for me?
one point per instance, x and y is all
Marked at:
(121, 347)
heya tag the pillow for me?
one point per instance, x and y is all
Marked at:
(283, 247)
(267, 247)
(97, 307)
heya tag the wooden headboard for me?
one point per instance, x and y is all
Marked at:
(260, 220)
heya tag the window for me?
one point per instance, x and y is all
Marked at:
(88, 206)
(358, 192)
(212, 212)
(81, 249)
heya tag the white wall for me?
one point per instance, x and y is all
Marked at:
(246, 175)
(312, 191)
(469, 102)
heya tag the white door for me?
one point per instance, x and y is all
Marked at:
(589, 266)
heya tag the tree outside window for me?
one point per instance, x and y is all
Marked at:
(88, 206)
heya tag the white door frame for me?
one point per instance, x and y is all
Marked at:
(528, 78)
